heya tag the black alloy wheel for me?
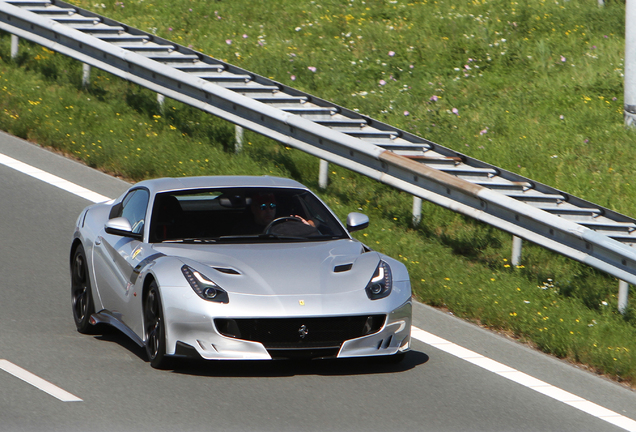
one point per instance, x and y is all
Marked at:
(81, 295)
(154, 325)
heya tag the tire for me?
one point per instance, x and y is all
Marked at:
(81, 294)
(155, 329)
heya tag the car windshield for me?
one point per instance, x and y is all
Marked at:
(249, 215)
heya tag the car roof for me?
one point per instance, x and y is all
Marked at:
(182, 183)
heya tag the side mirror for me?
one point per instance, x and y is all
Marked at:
(121, 227)
(357, 221)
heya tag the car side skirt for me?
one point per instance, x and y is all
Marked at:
(107, 317)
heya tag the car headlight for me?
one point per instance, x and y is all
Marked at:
(381, 283)
(204, 287)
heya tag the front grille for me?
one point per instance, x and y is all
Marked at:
(299, 333)
(303, 353)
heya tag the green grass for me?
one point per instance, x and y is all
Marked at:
(538, 90)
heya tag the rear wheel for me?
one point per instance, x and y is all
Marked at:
(155, 330)
(81, 295)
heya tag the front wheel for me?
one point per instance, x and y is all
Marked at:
(81, 294)
(155, 329)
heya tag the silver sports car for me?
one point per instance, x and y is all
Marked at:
(236, 268)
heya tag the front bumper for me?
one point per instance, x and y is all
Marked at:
(200, 334)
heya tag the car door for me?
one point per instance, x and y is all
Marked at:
(115, 256)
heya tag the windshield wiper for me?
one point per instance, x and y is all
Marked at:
(248, 238)
(304, 238)
(281, 237)
(192, 240)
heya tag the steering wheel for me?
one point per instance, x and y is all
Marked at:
(278, 221)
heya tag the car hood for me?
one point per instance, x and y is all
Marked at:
(326, 267)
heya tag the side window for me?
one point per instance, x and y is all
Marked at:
(134, 208)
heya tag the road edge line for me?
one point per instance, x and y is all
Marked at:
(38, 382)
(52, 179)
(525, 380)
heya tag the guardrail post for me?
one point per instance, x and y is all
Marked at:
(238, 134)
(417, 210)
(623, 294)
(160, 99)
(14, 46)
(323, 174)
(86, 75)
(516, 250)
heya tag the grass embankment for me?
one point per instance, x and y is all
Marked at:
(534, 87)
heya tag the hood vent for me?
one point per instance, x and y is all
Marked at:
(226, 270)
(342, 268)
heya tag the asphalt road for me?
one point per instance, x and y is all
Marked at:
(119, 391)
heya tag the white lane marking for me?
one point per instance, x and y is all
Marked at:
(52, 180)
(525, 379)
(419, 334)
(37, 382)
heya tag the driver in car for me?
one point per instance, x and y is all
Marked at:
(263, 208)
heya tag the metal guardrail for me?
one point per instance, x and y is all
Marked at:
(566, 224)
